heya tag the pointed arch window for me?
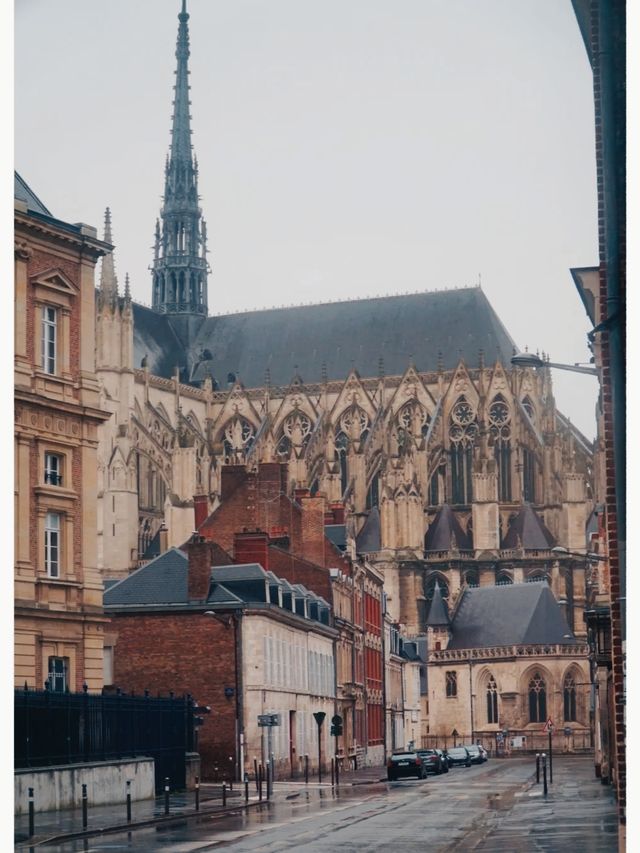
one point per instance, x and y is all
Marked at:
(537, 699)
(569, 693)
(296, 431)
(414, 419)
(504, 580)
(492, 700)
(373, 496)
(500, 433)
(463, 429)
(430, 586)
(529, 475)
(471, 580)
(239, 436)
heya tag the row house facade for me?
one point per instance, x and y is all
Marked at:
(57, 587)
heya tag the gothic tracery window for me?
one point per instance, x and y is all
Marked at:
(500, 432)
(452, 684)
(569, 692)
(492, 700)
(463, 429)
(537, 699)
(430, 586)
(296, 431)
(354, 423)
(414, 419)
(239, 435)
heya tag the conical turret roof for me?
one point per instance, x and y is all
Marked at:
(438, 610)
(445, 533)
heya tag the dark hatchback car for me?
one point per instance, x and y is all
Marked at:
(474, 753)
(444, 758)
(432, 760)
(405, 763)
(459, 755)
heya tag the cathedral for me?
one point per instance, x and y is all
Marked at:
(451, 468)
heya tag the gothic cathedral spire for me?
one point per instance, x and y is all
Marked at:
(180, 261)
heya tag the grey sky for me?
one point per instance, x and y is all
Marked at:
(346, 148)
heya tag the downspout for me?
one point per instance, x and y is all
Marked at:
(237, 627)
(383, 609)
(471, 696)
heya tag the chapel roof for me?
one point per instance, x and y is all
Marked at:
(528, 531)
(505, 615)
(369, 539)
(445, 532)
(328, 339)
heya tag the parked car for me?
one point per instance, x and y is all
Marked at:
(405, 763)
(432, 760)
(445, 752)
(444, 760)
(474, 753)
(459, 755)
(483, 752)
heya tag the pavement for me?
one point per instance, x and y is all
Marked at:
(575, 791)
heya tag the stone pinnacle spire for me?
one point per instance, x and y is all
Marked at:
(108, 280)
(180, 264)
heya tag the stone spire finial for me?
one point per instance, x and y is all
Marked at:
(127, 288)
(108, 280)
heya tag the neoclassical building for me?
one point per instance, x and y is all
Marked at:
(451, 465)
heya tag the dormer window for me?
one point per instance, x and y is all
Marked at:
(52, 469)
(49, 338)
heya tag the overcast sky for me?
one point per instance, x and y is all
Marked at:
(346, 148)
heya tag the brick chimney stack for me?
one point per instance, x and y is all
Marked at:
(312, 534)
(251, 546)
(199, 571)
(200, 509)
(163, 535)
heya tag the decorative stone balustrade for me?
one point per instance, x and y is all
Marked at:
(519, 650)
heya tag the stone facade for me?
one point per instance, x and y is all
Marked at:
(58, 591)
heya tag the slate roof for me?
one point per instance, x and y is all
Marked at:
(239, 572)
(438, 610)
(528, 531)
(162, 581)
(445, 532)
(505, 615)
(369, 538)
(341, 335)
(23, 191)
(337, 534)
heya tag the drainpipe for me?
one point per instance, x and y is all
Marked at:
(471, 697)
(237, 628)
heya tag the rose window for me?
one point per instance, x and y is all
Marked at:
(462, 412)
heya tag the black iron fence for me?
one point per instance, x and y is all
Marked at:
(513, 743)
(69, 728)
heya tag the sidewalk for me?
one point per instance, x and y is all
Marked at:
(102, 818)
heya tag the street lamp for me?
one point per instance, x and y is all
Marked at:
(528, 359)
(559, 551)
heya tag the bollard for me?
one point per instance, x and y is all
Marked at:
(224, 795)
(268, 769)
(84, 807)
(306, 770)
(166, 795)
(128, 801)
(255, 770)
(197, 793)
(544, 774)
(246, 789)
(333, 781)
(260, 782)
(337, 772)
(537, 768)
(31, 813)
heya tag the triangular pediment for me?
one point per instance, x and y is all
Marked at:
(412, 389)
(236, 405)
(296, 400)
(353, 394)
(499, 384)
(461, 385)
(55, 279)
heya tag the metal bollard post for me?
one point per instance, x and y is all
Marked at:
(246, 788)
(544, 774)
(537, 768)
(333, 781)
(166, 795)
(128, 801)
(337, 772)
(260, 782)
(224, 795)
(255, 770)
(31, 814)
(306, 770)
(197, 793)
(268, 769)
(84, 807)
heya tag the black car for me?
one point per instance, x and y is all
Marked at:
(405, 763)
(444, 760)
(445, 752)
(474, 753)
(459, 755)
(432, 760)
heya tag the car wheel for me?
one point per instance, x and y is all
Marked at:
(391, 778)
(468, 764)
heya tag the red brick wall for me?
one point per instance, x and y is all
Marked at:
(288, 566)
(185, 653)
(252, 548)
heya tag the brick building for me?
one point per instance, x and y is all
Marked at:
(58, 590)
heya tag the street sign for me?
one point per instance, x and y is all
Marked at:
(268, 720)
(319, 717)
(548, 727)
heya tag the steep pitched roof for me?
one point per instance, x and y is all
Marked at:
(337, 535)
(438, 610)
(446, 325)
(505, 615)
(369, 539)
(528, 531)
(162, 581)
(23, 191)
(445, 532)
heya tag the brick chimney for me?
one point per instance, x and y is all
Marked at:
(200, 509)
(232, 477)
(199, 571)
(251, 546)
(312, 539)
(337, 512)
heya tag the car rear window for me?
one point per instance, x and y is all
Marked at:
(402, 756)
(457, 751)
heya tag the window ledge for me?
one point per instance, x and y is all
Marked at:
(45, 579)
(56, 492)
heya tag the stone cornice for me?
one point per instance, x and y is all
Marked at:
(520, 650)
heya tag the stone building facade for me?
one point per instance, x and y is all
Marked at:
(58, 590)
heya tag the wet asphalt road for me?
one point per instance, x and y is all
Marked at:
(491, 808)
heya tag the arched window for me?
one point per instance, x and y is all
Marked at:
(503, 580)
(342, 449)
(537, 699)
(492, 700)
(463, 429)
(430, 586)
(239, 435)
(500, 432)
(569, 699)
(413, 418)
(295, 432)
(529, 475)
(373, 496)
(536, 578)
(471, 579)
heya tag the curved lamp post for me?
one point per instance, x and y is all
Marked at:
(529, 359)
